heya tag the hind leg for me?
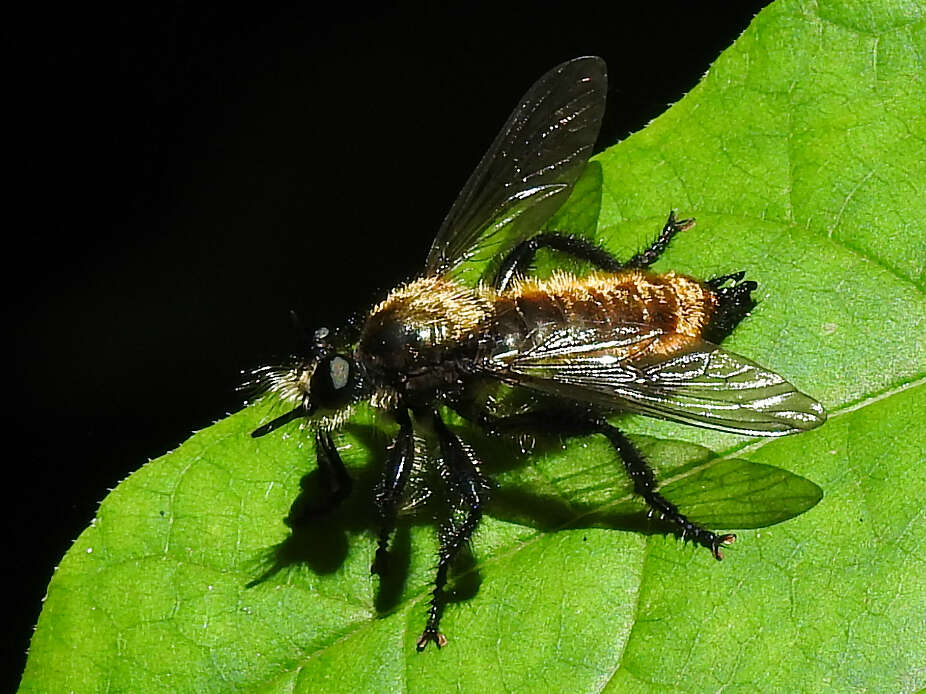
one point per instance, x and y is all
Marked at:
(650, 255)
(571, 423)
(521, 256)
(644, 484)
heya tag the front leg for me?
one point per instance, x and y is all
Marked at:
(389, 490)
(334, 480)
(469, 492)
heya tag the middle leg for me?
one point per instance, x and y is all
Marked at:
(469, 491)
(389, 490)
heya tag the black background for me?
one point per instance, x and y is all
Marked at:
(184, 176)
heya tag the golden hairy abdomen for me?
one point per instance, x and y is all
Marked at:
(675, 306)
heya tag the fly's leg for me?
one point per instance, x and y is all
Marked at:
(650, 255)
(334, 479)
(389, 490)
(469, 492)
(734, 302)
(641, 474)
(521, 256)
(644, 484)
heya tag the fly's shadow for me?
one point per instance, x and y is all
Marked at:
(320, 534)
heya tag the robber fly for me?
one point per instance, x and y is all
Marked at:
(617, 339)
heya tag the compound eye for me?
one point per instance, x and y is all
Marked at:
(339, 372)
(333, 382)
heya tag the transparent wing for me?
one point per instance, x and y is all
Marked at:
(528, 171)
(701, 385)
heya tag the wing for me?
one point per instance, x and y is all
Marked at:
(528, 171)
(701, 384)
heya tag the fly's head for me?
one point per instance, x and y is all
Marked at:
(321, 386)
(335, 382)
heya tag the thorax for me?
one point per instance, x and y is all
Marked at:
(417, 339)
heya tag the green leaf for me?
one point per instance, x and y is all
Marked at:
(802, 153)
(580, 216)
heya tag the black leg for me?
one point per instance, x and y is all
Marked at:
(469, 492)
(644, 484)
(733, 304)
(647, 257)
(389, 490)
(639, 471)
(335, 481)
(521, 256)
